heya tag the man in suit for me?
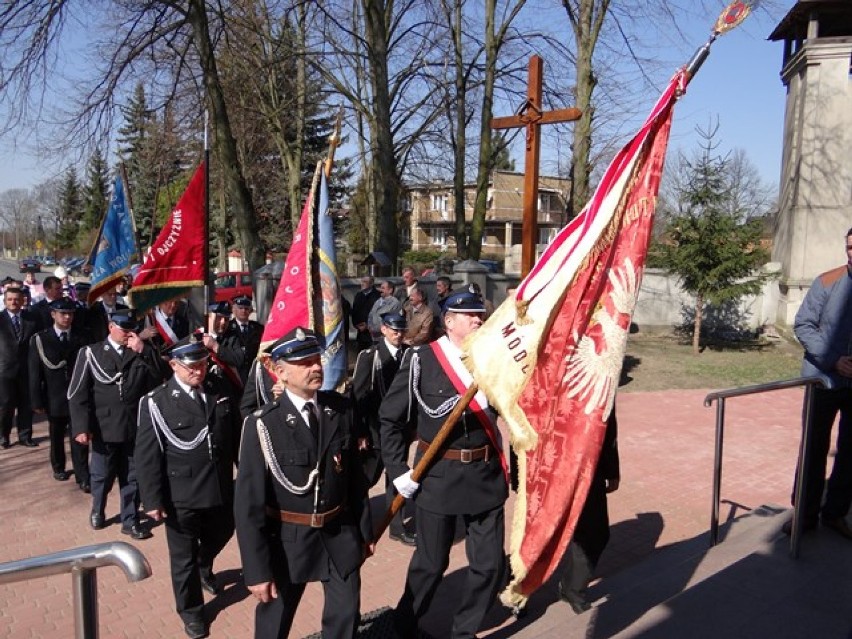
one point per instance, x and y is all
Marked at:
(172, 326)
(375, 369)
(386, 303)
(98, 315)
(16, 329)
(361, 306)
(52, 354)
(41, 311)
(184, 462)
(109, 379)
(301, 505)
(468, 481)
(243, 336)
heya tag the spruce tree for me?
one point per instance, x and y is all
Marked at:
(70, 211)
(96, 193)
(715, 255)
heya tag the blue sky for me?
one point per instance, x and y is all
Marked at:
(739, 84)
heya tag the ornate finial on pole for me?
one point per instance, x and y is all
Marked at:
(333, 141)
(730, 18)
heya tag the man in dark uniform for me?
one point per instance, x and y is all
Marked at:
(244, 335)
(109, 379)
(361, 306)
(592, 533)
(16, 329)
(375, 369)
(184, 463)
(171, 320)
(301, 505)
(53, 352)
(468, 482)
(52, 287)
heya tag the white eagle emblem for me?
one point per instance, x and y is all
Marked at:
(594, 365)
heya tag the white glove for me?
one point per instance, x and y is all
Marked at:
(406, 486)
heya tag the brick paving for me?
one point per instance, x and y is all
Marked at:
(666, 445)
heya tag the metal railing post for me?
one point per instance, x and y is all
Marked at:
(720, 396)
(82, 563)
(84, 583)
(804, 448)
(717, 471)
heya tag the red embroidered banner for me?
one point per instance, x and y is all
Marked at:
(175, 262)
(551, 358)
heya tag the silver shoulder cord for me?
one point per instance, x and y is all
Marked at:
(275, 469)
(161, 426)
(47, 363)
(97, 372)
(258, 383)
(435, 413)
(377, 373)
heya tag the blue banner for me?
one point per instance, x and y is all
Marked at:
(116, 246)
(330, 319)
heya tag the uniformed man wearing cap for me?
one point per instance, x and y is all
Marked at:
(375, 369)
(244, 334)
(301, 505)
(467, 482)
(109, 379)
(52, 354)
(184, 463)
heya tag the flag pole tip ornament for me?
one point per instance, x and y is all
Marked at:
(188, 351)
(731, 17)
(395, 320)
(297, 345)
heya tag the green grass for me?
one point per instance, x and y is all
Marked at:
(666, 361)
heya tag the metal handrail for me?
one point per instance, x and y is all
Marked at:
(804, 446)
(82, 563)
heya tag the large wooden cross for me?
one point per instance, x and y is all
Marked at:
(531, 117)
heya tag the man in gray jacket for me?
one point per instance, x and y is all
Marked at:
(824, 327)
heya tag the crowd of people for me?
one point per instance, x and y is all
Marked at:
(204, 440)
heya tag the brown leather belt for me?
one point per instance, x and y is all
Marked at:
(464, 455)
(314, 520)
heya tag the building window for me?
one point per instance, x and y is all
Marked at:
(546, 235)
(438, 236)
(405, 236)
(439, 201)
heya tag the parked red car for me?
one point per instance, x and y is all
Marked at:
(231, 284)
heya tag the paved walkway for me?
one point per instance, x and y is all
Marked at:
(666, 444)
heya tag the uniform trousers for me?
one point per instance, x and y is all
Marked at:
(827, 403)
(486, 565)
(195, 537)
(111, 461)
(590, 539)
(15, 407)
(57, 428)
(341, 609)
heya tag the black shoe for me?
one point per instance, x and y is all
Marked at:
(28, 443)
(85, 487)
(96, 520)
(405, 537)
(138, 532)
(5, 443)
(60, 476)
(195, 629)
(579, 604)
(208, 583)
(838, 525)
(787, 528)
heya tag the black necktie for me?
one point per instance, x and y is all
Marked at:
(398, 356)
(245, 329)
(63, 338)
(313, 422)
(16, 324)
(199, 399)
(169, 322)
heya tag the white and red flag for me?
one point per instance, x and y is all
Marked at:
(550, 359)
